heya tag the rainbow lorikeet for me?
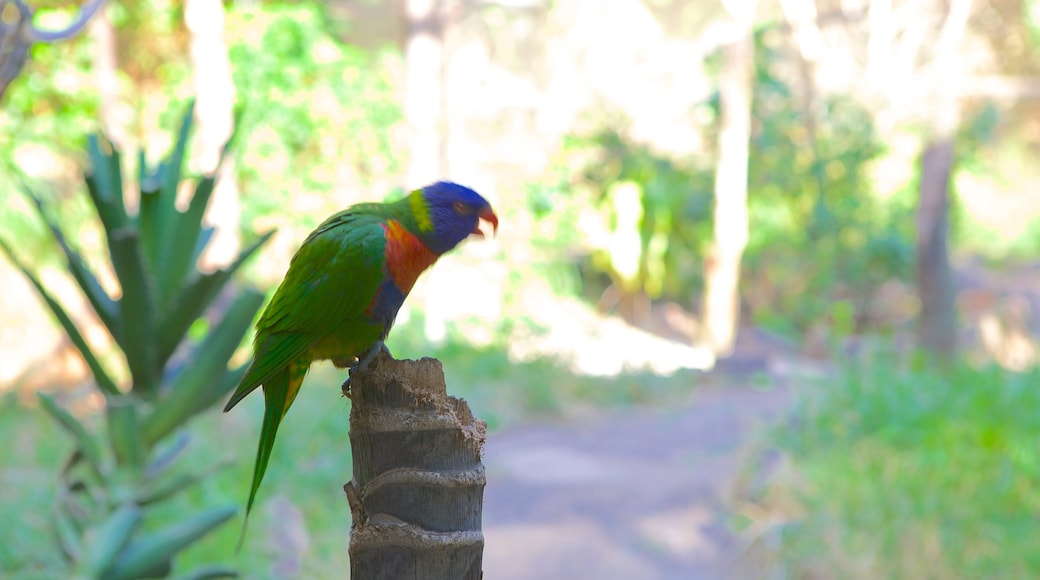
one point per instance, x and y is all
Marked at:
(343, 290)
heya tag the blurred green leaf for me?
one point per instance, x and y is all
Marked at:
(166, 487)
(105, 183)
(104, 381)
(154, 551)
(199, 384)
(171, 170)
(207, 572)
(199, 292)
(68, 536)
(125, 433)
(190, 238)
(224, 387)
(136, 309)
(187, 243)
(85, 442)
(165, 458)
(148, 216)
(158, 212)
(102, 303)
(104, 542)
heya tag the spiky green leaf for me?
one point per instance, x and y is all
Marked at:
(167, 455)
(180, 250)
(100, 151)
(103, 543)
(160, 490)
(190, 226)
(104, 381)
(85, 442)
(221, 390)
(193, 300)
(151, 228)
(159, 570)
(124, 432)
(102, 303)
(159, 208)
(105, 183)
(153, 551)
(208, 572)
(68, 535)
(174, 164)
(186, 308)
(148, 180)
(201, 380)
(148, 185)
(136, 310)
(202, 242)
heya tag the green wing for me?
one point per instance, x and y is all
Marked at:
(331, 280)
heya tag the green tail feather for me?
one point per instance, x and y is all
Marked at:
(276, 402)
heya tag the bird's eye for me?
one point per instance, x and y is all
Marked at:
(460, 208)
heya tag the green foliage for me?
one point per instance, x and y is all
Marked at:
(110, 483)
(45, 113)
(816, 227)
(319, 111)
(53, 102)
(677, 210)
(909, 472)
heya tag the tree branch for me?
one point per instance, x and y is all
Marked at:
(85, 13)
(18, 35)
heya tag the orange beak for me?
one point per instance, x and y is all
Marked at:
(489, 216)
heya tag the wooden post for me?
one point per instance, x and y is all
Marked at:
(418, 488)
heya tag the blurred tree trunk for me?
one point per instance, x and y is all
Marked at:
(937, 326)
(113, 120)
(938, 322)
(214, 116)
(416, 498)
(721, 307)
(424, 96)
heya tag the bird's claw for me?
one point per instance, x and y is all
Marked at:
(362, 364)
(371, 354)
(346, 384)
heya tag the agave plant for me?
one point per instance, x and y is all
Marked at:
(112, 481)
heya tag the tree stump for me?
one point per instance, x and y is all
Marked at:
(418, 488)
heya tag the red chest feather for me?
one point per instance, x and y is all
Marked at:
(406, 256)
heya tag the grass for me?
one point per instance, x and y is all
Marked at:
(300, 524)
(29, 457)
(904, 472)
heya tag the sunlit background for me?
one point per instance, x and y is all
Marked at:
(612, 137)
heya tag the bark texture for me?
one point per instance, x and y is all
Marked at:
(418, 488)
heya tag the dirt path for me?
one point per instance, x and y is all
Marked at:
(565, 501)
